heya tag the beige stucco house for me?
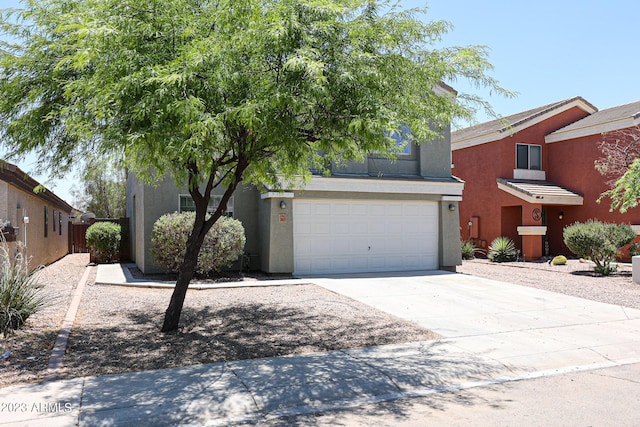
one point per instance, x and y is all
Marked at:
(40, 220)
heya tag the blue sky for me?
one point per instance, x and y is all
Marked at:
(544, 50)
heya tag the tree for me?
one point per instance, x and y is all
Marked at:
(223, 92)
(620, 162)
(598, 241)
(103, 189)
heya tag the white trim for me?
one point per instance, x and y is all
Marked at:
(595, 129)
(636, 229)
(276, 195)
(510, 131)
(451, 198)
(529, 174)
(532, 230)
(544, 200)
(376, 186)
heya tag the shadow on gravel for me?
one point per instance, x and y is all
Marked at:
(243, 331)
(592, 273)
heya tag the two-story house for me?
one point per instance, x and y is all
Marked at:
(529, 175)
(371, 216)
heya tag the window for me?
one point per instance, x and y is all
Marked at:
(60, 223)
(46, 221)
(54, 221)
(186, 204)
(402, 142)
(528, 157)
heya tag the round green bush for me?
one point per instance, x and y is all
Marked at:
(103, 240)
(559, 260)
(223, 244)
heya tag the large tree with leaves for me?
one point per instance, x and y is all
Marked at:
(224, 91)
(101, 188)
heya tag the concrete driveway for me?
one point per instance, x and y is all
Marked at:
(530, 331)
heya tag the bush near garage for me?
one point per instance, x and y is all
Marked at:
(222, 246)
(103, 240)
(598, 241)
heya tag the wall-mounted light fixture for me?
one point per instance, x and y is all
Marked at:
(283, 204)
(561, 215)
(452, 207)
(19, 206)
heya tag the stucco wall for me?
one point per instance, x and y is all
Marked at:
(42, 250)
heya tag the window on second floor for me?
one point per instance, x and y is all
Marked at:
(528, 157)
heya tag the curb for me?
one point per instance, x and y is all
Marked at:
(60, 346)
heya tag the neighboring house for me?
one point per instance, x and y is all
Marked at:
(40, 220)
(529, 175)
(374, 216)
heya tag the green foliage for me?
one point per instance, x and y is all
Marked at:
(598, 242)
(215, 93)
(102, 188)
(468, 250)
(502, 249)
(19, 296)
(103, 240)
(559, 260)
(223, 244)
(634, 249)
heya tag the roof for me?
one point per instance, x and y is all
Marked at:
(16, 177)
(543, 192)
(499, 128)
(610, 119)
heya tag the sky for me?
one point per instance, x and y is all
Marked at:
(544, 50)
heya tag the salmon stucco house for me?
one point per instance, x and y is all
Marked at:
(529, 175)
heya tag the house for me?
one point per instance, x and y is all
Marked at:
(372, 216)
(38, 219)
(529, 175)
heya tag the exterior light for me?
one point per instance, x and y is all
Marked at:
(452, 207)
(283, 204)
(561, 215)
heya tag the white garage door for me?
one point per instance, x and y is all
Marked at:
(349, 236)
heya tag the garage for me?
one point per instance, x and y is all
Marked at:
(351, 236)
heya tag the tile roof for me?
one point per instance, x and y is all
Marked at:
(629, 112)
(509, 122)
(542, 192)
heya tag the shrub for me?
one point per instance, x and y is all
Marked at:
(598, 242)
(103, 240)
(19, 297)
(223, 244)
(468, 250)
(559, 260)
(502, 249)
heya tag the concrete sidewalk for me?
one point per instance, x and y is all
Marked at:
(495, 333)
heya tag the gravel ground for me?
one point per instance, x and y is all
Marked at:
(117, 328)
(31, 347)
(575, 278)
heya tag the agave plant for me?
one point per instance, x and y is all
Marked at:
(502, 249)
(19, 295)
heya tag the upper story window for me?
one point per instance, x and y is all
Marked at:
(186, 204)
(404, 145)
(528, 157)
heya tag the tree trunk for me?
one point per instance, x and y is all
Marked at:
(187, 269)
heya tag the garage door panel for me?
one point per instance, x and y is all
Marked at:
(359, 236)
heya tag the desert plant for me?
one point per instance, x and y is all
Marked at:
(599, 242)
(502, 249)
(559, 260)
(468, 249)
(223, 244)
(103, 240)
(19, 297)
(634, 249)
